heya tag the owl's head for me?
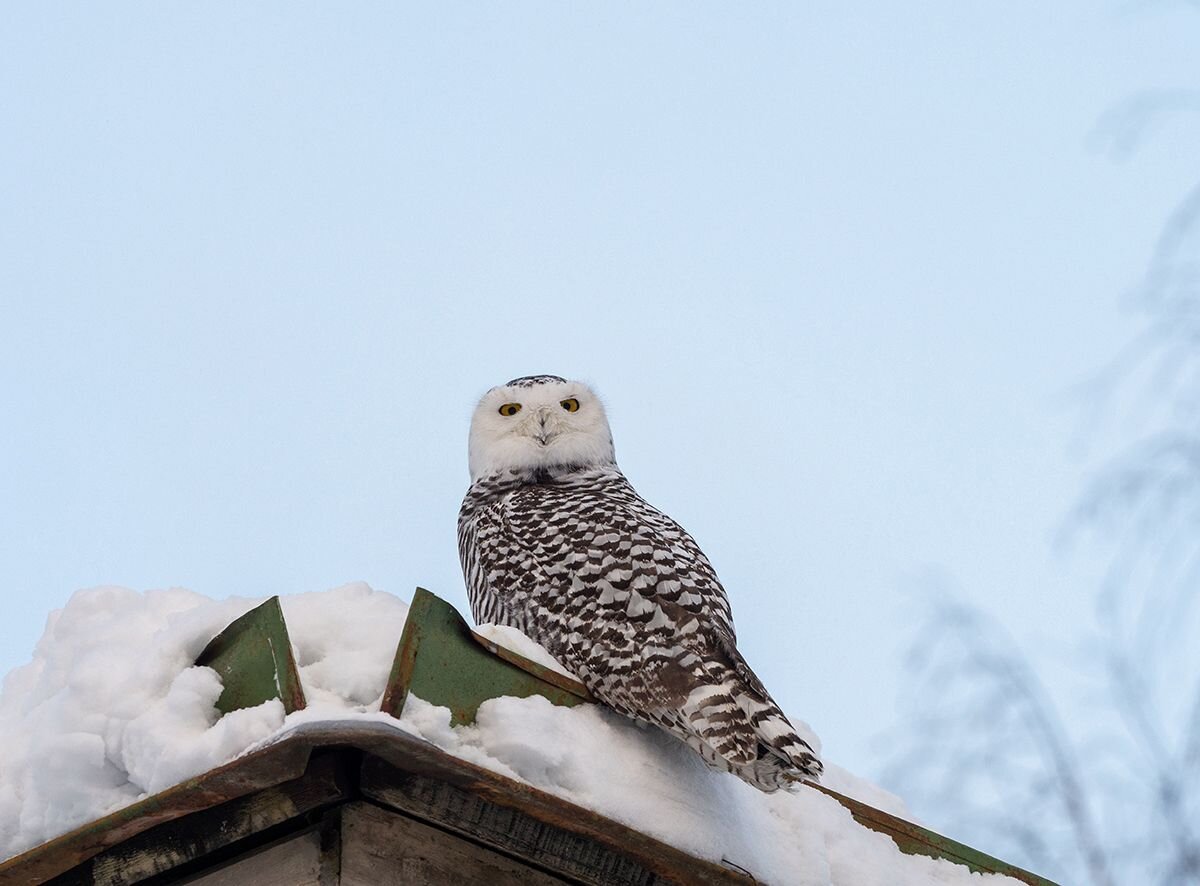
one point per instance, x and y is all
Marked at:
(538, 422)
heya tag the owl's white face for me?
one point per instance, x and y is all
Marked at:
(527, 426)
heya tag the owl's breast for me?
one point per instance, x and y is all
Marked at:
(566, 530)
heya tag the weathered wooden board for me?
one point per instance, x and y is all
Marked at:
(294, 861)
(421, 758)
(176, 843)
(187, 806)
(254, 658)
(440, 661)
(262, 769)
(554, 848)
(380, 847)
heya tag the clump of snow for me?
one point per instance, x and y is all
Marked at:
(111, 710)
(514, 641)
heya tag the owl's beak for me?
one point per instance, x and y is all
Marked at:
(544, 434)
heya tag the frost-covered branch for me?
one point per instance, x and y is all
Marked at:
(1105, 783)
(993, 741)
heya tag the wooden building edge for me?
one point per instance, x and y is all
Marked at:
(356, 802)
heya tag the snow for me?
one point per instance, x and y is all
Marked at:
(111, 710)
(514, 641)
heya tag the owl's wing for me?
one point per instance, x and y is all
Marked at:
(623, 595)
(625, 578)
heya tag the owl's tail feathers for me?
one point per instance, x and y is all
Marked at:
(739, 731)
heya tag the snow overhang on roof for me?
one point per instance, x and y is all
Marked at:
(312, 770)
(317, 767)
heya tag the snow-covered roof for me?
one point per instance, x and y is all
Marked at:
(112, 710)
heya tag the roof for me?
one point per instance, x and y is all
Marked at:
(324, 764)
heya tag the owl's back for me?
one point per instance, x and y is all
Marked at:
(623, 595)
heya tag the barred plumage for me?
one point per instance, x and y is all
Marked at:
(555, 542)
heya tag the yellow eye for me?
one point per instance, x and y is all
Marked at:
(510, 408)
(571, 405)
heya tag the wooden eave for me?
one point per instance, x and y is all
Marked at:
(319, 765)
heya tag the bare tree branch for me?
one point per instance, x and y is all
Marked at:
(1114, 795)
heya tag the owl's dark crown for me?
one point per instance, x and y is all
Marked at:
(529, 381)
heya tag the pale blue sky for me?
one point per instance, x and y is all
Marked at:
(833, 269)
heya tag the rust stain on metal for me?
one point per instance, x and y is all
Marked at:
(915, 840)
(400, 676)
(540, 671)
(442, 662)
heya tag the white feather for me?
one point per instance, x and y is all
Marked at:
(543, 434)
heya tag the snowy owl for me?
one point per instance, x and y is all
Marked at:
(555, 542)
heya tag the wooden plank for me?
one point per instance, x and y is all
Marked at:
(380, 847)
(413, 755)
(285, 760)
(295, 861)
(268, 767)
(253, 655)
(176, 843)
(442, 662)
(574, 855)
(331, 848)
